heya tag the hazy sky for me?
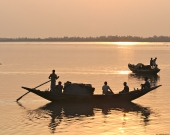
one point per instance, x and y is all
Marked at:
(58, 18)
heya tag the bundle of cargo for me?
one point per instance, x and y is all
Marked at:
(78, 88)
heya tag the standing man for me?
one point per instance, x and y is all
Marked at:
(106, 89)
(154, 62)
(151, 62)
(53, 78)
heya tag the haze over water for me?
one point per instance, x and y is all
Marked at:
(29, 64)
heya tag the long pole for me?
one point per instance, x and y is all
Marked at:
(34, 88)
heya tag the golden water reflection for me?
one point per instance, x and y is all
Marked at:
(62, 114)
(124, 72)
(126, 43)
(153, 78)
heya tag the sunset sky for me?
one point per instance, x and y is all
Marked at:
(58, 18)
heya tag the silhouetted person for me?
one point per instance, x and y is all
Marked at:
(59, 87)
(106, 89)
(126, 88)
(146, 85)
(53, 78)
(154, 62)
(151, 62)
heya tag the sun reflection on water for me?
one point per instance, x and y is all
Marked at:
(126, 43)
(121, 130)
(124, 117)
(123, 72)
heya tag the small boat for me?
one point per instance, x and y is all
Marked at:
(143, 69)
(90, 98)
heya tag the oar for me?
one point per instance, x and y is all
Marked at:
(29, 91)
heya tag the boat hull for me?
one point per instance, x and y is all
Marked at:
(126, 97)
(143, 71)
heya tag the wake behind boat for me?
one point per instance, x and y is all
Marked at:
(90, 98)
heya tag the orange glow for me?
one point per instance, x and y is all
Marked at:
(124, 72)
(121, 130)
(125, 43)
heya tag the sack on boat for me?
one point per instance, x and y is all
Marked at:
(138, 66)
(78, 88)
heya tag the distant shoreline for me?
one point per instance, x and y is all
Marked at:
(82, 41)
(90, 39)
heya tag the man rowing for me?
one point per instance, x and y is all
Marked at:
(53, 78)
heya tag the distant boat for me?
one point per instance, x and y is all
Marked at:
(96, 98)
(143, 69)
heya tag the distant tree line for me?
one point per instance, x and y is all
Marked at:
(90, 39)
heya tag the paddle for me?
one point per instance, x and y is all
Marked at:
(29, 91)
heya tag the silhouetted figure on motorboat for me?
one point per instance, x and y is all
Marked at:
(151, 62)
(154, 62)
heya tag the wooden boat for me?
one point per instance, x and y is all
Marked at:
(143, 69)
(96, 98)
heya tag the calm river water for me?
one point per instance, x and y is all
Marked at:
(29, 64)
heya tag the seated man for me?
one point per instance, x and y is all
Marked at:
(126, 88)
(146, 85)
(59, 88)
(106, 89)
